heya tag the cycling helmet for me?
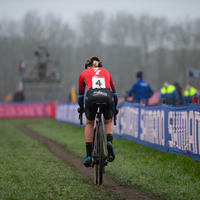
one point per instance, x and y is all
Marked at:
(89, 62)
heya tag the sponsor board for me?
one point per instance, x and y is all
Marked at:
(167, 128)
(26, 110)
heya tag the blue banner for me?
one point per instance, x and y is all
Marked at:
(172, 129)
(194, 73)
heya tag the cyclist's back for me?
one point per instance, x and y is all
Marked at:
(100, 89)
(96, 78)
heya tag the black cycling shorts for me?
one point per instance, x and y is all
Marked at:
(94, 96)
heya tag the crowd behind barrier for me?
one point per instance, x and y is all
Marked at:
(172, 129)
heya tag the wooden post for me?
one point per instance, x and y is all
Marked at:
(195, 100)
(164, 101)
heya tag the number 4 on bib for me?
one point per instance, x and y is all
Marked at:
(98, 82)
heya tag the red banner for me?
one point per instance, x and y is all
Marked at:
(27, 110)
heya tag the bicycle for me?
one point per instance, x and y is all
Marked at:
(99, 146)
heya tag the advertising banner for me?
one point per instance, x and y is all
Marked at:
(67, 112)
(194, 73)
(26, 110)
(172, 129)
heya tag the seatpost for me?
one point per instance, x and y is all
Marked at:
(99, 113)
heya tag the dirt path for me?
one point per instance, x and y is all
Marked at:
(125, 192)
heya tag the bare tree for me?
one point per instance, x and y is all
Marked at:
(91, 27)
(181, 37)
(125, 43)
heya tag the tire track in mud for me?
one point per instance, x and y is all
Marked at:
(126, 192)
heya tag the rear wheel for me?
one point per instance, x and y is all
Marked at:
(99, 166)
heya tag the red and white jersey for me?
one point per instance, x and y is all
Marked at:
(95, 78)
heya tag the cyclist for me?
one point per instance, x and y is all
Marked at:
(100, 89)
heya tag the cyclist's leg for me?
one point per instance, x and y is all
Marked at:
(90, 112)
(109, 128)
(89, 132)
(108, 112)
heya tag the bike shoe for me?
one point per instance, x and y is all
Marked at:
(111, 154)
(88, 161)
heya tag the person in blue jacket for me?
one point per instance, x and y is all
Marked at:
(169, 93)
(189, 93)
(141, 90)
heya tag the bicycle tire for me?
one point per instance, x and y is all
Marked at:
(99, 167)
(96, 176)
(101, 132)
(95, 144)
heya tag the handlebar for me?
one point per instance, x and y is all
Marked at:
(81, 111)
(115, 116)
(81, 118)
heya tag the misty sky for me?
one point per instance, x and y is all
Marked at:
(69, 9)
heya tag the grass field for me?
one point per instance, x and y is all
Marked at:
(167, 175)
(31, 171)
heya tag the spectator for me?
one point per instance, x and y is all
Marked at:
(73, 95)
(179, 90)
(189, 92)
(19, 95)
(141, 89)
(8, 98)
(43, 58)
(21, 65)
(169, 93)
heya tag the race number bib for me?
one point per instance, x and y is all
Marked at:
(98, 82)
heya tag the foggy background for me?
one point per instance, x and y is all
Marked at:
(126, 41)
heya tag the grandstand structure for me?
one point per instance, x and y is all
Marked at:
(42, 88)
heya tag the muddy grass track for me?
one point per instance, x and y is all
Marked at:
(125, 192)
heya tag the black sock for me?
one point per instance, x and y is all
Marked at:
(109, 138)
(89, 149)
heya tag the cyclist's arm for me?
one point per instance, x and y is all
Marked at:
(114, 91)
(81, 90)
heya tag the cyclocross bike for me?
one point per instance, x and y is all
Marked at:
(100, 151)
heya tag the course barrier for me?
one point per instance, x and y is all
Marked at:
(172, 129)
(27, 110)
